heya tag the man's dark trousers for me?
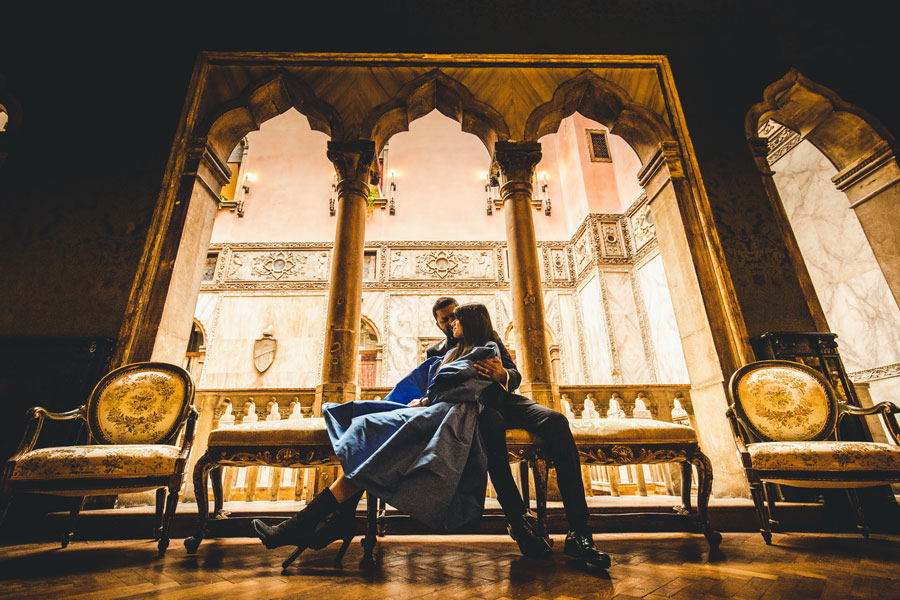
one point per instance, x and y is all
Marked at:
(503, 411)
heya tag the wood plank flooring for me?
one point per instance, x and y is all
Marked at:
(649, 566)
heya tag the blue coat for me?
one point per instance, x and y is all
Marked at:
(426, 461)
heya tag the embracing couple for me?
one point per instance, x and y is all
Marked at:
(427, 447)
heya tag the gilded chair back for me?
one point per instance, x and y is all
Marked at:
(140, 403)
(781, 401)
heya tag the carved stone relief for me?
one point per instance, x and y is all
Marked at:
(559, 269)
(442, 264)
(280, 265)
(611, 239)
(642, 226)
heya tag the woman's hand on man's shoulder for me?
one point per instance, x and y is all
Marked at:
(418, 402)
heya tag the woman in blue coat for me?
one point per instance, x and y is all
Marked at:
(418, 449)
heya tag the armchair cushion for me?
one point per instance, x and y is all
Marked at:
(624, 431)
(824, 456)
(108, 462)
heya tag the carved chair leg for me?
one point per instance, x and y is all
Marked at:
(704, 490)
(69, 531)
(526, 483)
(770, 490)
(201, 471)
(368, 542)
(686, 488)
(756, 491)
(539, 469)
(171, 505)
(381, 513)
(160, 504)
(215, 478)
(861, 525)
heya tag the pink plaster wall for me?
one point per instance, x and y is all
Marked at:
(440, 186)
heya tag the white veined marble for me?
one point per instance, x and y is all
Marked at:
(670, 363)
(848, 280)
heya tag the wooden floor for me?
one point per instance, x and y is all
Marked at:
(650, 566)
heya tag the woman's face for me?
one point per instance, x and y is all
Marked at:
(457, 327)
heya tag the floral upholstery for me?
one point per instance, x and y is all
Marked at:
(623, 431)
(140, 407)
(824, 456)
(108, 462)
(785, 403)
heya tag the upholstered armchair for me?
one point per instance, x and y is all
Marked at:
(785, 418)
(135, 416)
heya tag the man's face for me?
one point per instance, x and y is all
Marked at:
(444, 319)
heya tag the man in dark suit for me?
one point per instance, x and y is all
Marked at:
(504, 410)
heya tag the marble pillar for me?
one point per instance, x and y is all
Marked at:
(706, 336)
(516, 161)
(872, 184)
(177, 317)
(353, 163)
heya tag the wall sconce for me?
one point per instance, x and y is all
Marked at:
(492, 193)
(248, 179)
(331, 200)
(393, 189)
(542, 198)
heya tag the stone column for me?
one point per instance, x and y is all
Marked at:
(199, 215)
(517, 162)
(872, 184)
(353, 162)
(707, 339)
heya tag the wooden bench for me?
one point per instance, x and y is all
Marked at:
(305, 443)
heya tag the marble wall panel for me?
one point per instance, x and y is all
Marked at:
(597, 351)
(206, 306)
(373, 309)
(626, 328)
(297, 324)
(856, 299)
(661, 321)
(571, 345)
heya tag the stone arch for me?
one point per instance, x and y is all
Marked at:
(435, 90)
(262, 100)
(370, 324)
(841, 131)
(604, 102)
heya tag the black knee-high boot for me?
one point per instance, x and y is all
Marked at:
(341, 525)
(300, 529)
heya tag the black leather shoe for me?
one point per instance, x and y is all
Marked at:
(530, 544)
(581, 546)
(299, 529)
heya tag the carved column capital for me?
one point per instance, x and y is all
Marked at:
(668, 155)
(517, 160)
(352, 160)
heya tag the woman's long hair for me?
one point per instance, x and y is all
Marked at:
(476, 326)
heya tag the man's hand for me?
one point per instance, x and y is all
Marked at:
(418, 402)
(492, 368)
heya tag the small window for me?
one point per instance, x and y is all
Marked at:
(370, 263)
(209, 269)
(598, 145)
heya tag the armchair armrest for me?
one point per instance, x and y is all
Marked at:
(34, 421)
(884, 409)
(190, 428)
(738, 432)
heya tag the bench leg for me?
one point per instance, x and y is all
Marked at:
(686, 476)
(704, 489)
(539, 469)
(215, 478)
(201, 471)
(368, 542)
(526, 484)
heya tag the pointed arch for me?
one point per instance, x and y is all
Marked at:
(841, 131)
(435, 90)
(263, 100)
(605, 102)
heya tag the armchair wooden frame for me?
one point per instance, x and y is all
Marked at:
(167, 485)
(760, 479)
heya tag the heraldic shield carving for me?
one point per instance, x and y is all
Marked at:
(264, 349)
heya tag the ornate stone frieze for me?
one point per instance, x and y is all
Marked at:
(642, 226)
(281, 265)
(877, 373)
(780, 140)
(442, 264)
(612, 242)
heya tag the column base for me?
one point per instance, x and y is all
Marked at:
(542, 393)
(333, 392)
